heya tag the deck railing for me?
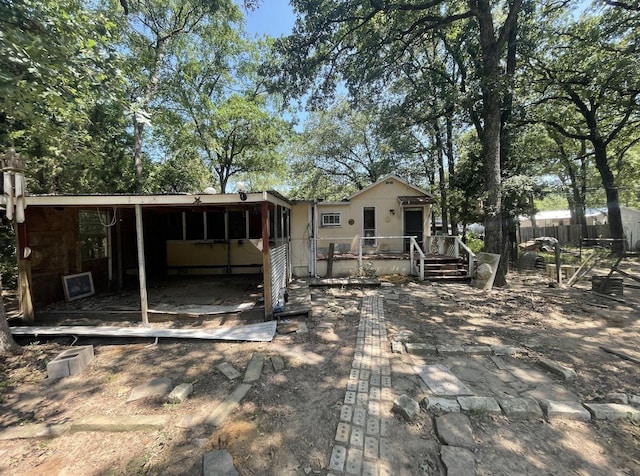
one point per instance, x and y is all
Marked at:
(450, 246)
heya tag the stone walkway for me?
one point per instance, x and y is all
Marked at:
(362, 445)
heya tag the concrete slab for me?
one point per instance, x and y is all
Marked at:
(338, 458)
(613, 411)
(441, 381)
(477, 349)
(158, 387)
(454, 429)
(254, 369)
(449, 349)
(119, 423)
(564, 411)
(218, 463)
(458, 461)
(520, 408)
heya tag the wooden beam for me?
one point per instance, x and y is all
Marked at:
(142, 276)
(266, 263)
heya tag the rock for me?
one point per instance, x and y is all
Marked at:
(634, 400)
(407, 407)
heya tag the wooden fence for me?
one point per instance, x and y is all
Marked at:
(565, 234)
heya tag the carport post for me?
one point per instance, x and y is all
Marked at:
(141, 268)
(266, 263)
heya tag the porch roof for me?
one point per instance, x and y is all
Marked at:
(158, 200)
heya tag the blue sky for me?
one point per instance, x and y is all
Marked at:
(273, 17)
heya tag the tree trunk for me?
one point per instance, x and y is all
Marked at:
(453, 219)
(611, 190)
(442, 180)
(7, 344)
(492, 118)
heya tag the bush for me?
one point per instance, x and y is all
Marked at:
(474, 243)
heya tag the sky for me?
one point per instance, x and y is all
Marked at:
(273, 17)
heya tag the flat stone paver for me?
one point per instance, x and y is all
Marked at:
(158, 387)
(254, 369)
(218, 463)
(119, 423)
(559, 369)
(440, 404)
(521, 408)
(454, 429)
(564, 411)
(475, 404)
(33, 430)
(613, 411)
(441, 380)
(229, 370)
(458, 461)
(222, 411)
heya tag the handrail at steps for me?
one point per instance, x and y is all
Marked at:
(413, 247)
(439, 241)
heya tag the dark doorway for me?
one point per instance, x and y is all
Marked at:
(413, 226)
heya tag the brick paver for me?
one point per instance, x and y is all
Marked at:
(361, 446)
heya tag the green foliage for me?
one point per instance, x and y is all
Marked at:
(474, 243)
(59, 67)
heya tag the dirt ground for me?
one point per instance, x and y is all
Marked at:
(287, 422)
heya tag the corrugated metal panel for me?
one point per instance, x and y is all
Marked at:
(279, 259)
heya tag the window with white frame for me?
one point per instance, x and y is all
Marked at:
(330, 219)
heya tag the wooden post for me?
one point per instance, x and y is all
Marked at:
(332, 247)
(142, 276)
(558, 272)
(266, 263)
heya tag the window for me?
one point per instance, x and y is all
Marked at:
(369, 228)
(330, 219)
(215, 225)
(194, 225)
(237, 226)
(93, 234)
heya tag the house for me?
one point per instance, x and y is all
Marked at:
(376, 222)
(131, 240)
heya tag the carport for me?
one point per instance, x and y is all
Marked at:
(131, 240)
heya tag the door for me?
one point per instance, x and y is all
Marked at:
(413, 226)
(369, 225)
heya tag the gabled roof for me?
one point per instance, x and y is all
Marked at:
(394, 177)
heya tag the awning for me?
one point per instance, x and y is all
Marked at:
(416, 200)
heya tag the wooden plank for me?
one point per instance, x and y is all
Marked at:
(262, 332)
(621, 354)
